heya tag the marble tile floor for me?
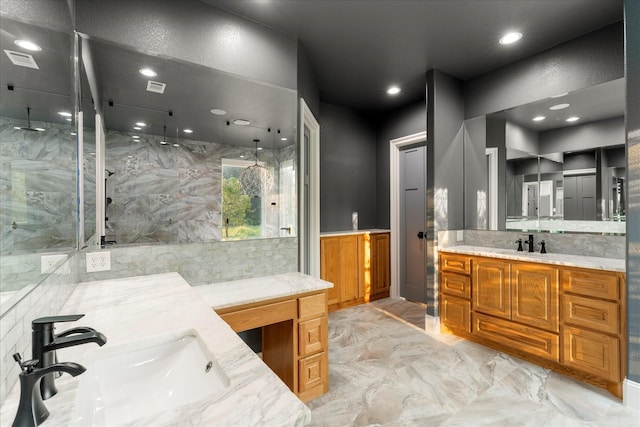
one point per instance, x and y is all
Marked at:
(385, 369)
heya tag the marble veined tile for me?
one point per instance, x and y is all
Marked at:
(385, 370)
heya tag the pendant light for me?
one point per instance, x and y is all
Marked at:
(28, 127)
(164, 136)
(256, 180)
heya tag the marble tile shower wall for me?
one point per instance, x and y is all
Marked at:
(45, 299)
(167, 194)
(571, 244)
(37, 183)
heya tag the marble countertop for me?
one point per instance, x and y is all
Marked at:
(596, 263)
(347, 232)
(129, 309)
(239, 292)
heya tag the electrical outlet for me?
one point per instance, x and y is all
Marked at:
(98, 261)
(459, 235)
(49, 263)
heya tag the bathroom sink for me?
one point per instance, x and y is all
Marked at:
(127, 382)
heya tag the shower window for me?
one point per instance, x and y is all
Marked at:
(243, 216)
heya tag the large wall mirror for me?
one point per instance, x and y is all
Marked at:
(564, 162)
(191, 154)
(38, 154)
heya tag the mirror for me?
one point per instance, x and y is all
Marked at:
(564, 167)
(177, 145)
(38, 161)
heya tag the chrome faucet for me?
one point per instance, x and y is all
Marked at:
(31, 409)
(45, 343)
(529, 242)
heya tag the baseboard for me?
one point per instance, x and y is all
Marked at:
(631, 394)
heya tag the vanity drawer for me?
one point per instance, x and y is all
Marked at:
(312, 336)
(312, 375)
(517, 337)
(590, 313)
(455, 284)
(456, 313)
(591, 352)
(455, 263)
(592, 283)
(312, 306)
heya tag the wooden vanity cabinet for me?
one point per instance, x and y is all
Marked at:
(358, 265)
(294, 339)
(563, 318)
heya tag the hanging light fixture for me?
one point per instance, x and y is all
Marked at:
(164, 136)
(28, 127)
(256, 180)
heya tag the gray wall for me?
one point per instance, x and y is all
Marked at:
(521, 138)
(193, 31)
(53, 14)
(632, 16)
(600, 133)
(307, 83)
(475, 173)
(597, 57)
(347, 169)
(496, 137)
(404, 121)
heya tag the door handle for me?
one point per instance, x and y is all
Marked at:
(420, 234)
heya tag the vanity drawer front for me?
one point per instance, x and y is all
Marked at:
(455, 263)
(312, 374)
(591, 283)
(591, 352)
(312, 306)
(590, 313)
(518, 337)
(250, 318)
(312, 336)
(455, 284)
(456, 313)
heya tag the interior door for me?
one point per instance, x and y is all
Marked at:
(413, 217)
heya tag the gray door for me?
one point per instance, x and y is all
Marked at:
(580, 197)
(413, 218)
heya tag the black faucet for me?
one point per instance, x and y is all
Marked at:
(31, 409)
(45, 342)
(519, 242)
(543, 249)
(529, 242)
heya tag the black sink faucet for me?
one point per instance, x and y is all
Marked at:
(44, 343)
(529, 242)
(31, 409)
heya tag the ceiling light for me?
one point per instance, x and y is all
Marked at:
(26, 44)
(141, 124)
(283, 139)
(393, 90)
(137, 128)
(148, 72)
(188, 130)
(74, 134)
(539, 118)
(560, 95)
(559, 107)
(259, 148)
(218, 112)
(176, 145)
(510, 38)
(573, 119)
(164, 136)
(69, 120)
(135, 137)
(256, 180)
(65, 113)
(241, 122)
(242, 156)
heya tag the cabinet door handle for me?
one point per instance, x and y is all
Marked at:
(420, 234)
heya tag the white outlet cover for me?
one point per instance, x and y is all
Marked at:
(49, 263)
(98, 261)
(460, 235)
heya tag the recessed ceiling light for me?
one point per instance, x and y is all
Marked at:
(393, 90)
(141, 124)
(241, 156)
(573, 119)
(539, 118)
(283, 139)
(560, 95)
(559, 107)
(188, 131)
(135, 137)
(26, 44)
(510, 38)
(137, 128)
(241, 122)
(259, 148)
(69, 120)
(65, 113)
(74, 134)
(218, 112)
(148, 72)
(176, 145)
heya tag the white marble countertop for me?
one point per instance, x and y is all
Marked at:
(347, 232)
(596, 263)
(129, 309)
(247, 291)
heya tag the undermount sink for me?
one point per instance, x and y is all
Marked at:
(127, 382)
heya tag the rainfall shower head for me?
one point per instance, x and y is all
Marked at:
(109, 173)
(28, 127)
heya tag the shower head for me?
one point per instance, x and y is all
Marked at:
(109, 173)
(28, 127)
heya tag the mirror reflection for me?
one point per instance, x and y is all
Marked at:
(565, 162)
(192, 154)
(38, 156)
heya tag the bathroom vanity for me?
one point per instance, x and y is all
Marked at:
(358, 264)
(563, 312)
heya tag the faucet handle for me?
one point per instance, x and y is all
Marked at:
(27, 366)
(46, 323)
